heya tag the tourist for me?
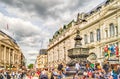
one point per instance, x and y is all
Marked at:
(60, 66)
(2, 75)
(44, 74)
(77, 67)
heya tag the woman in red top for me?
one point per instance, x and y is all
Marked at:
(90, 74)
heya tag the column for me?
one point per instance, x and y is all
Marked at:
(55, 50)
(115, 34)
(108, 31)
(52, 55)
(15, 59)
(67, 48)
(64, 54)
(1, 55)
(62, 51)
(0, 52)
(4, 51)
(102, 32)
(9, 56)
(119, 25)
(13, 54)
(58, 53)
(95, 35)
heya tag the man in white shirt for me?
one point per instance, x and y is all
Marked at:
(77, 67)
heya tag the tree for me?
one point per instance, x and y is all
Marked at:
(30, 66)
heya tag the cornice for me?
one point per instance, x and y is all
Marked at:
(99, 19)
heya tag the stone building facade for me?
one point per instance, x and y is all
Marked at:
(58, 47)
(98, 28)
(10, 52)
(42, 59)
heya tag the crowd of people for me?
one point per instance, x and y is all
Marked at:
(96, 71)
(89, 71)
(44, 73)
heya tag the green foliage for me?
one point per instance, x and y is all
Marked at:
(30, 66)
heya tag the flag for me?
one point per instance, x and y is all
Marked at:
(112, 48)
(106, 48)
(117, 51)
(109, 51)
(106, 54)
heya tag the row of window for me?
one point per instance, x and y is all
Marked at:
(112, 31)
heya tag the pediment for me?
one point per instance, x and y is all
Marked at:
(2, 37)
(9, 42)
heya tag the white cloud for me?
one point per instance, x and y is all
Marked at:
(27, 35)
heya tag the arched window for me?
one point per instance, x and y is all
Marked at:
(91, 37)
(112, 30)
(98, 35)
(85, 39)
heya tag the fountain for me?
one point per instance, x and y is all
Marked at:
(78, 53)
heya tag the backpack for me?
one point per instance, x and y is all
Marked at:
(60, 66)
(43, 75)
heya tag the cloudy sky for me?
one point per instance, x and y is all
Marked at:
(32, 22)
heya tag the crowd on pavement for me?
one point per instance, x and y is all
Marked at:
(89, 71)
(96, 71)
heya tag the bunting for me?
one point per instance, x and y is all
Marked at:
(111, 50)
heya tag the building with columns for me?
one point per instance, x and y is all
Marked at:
(98, 28)
(10, 52)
